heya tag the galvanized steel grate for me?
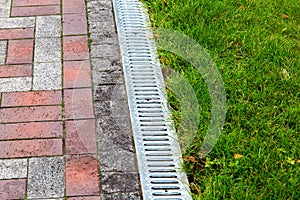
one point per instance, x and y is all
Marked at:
(158, 152)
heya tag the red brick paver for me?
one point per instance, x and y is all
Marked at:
(7, 71)
(35, 11)
(75, 48)
(73, 7)
(20, 51)
(31, 130)
(16, 33)
(30, 148)
(77, 74)
(12, 189)
(74, 24)
(35, 2)
(78, 104)
(82, 176)
(81, 137)
(33, 98)
(30, 114)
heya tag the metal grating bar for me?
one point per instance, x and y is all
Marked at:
(158, 152)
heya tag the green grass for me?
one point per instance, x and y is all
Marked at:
(256, 47)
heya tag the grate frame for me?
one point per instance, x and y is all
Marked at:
(158, 152)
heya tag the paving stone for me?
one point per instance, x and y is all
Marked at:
(113, 115)
(120, 182)
(18, 33)
(82, 177)
(20, 51)
(114, 140)
(30, 148)
(47, 50)
(105, 51)
(101, 16)
(17, 22)
(7, 71)
(77, 74)
(93, 6)
(105, 36)
(13, 189)
(13, 168)
(5, 8)
(31, 130)
(117, 161)
(31, 98)
(48, 26)
(75, 48)
(29, 114)
(85, 198)
(73, 6)
(81, 137)
(15, 84)
(35, 11)
(109, 77)
(123, 195)
(46, 177)
(74, 24)
(35, 2)
(47, 76)
(102, 28)
(104, 64)
(108, 122)
(78, 103)
(3, 47)
(110, 92)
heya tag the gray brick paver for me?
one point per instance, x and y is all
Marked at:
(48, 26)
(46, 177)
(47, 76)
(13, 168)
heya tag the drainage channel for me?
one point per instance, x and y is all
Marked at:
(158, 152)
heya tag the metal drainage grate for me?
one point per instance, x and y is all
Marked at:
(158, 152)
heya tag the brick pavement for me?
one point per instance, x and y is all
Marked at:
(47, 121)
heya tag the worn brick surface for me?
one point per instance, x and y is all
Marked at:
(82, 176)
(75, 48)
(29, 114)
(35, 2)
(30, 130)
(81, 137)
(31, 98)
(35, 11)
(30, 148)
(16, 33)
(73, 6)
(12, 189)
(78, 103)
(85, 198)
(74, 24)
(15, 70)
(77, 74)
(20, 51)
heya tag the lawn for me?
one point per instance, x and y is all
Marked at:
(255, 44)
